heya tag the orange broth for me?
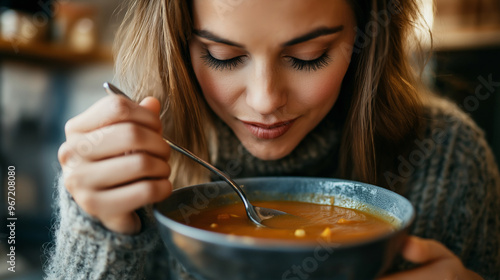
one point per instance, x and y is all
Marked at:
(333, 224)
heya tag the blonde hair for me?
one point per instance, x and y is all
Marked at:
(152, 59)
(380, 89)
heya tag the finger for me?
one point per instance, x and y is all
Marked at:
(109, 203)
(64, 153)
(110, 110)
(116, 140)
(118, 171)
(152, 104)
(419, 250)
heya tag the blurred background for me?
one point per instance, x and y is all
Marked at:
(55, 55)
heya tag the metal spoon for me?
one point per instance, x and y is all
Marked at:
(255, 214)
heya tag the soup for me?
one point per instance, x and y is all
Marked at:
(333, 224)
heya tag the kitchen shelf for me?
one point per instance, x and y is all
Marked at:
(466, 39)
(53, 53)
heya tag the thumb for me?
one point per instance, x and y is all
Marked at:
(152, 104)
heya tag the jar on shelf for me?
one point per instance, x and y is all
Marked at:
(75, 26)
(23, 27)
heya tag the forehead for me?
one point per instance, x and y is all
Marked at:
(245, 21)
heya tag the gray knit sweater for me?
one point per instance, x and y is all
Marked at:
(452, 180)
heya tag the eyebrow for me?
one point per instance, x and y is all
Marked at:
(318, 32)
(212, 37)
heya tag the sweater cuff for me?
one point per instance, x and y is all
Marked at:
(76, 222)
(85, 248)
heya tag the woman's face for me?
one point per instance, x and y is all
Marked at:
(271, 70)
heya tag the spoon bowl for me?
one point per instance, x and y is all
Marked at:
(255, 214)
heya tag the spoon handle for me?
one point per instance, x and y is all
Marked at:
(113, 90)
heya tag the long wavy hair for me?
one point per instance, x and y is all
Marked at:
(380, 102)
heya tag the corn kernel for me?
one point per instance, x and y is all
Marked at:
(326, 233)
(300, 232)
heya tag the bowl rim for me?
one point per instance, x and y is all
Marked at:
(255, 243)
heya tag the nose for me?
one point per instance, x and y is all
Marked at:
(264, 92)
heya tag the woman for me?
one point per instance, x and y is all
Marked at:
(309, 88)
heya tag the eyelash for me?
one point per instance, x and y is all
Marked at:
(310, 65)
(217, 64)
(298, 64)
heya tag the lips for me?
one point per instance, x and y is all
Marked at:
(268, 131)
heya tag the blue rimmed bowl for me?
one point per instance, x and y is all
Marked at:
(210, 255)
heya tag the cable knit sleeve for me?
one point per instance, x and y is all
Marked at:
(456, 191)
(84, 249)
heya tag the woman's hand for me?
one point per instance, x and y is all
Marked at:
(115, 161)
(437, 262)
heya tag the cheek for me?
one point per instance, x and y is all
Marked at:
(320, 89)
(219, 89)
(324, 87)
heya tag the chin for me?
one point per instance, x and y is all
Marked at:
(269, 151)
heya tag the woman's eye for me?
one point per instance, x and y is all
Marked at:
(310, 65)
(217, 64)
(299, 64)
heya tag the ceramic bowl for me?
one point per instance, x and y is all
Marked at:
(210, 255)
